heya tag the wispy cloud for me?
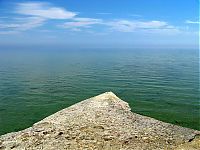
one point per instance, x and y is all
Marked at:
(35, 14)
(122, 25)
(192, 22)
(22, 24)
(134, 25)
(103, 13)
(87, 19)
(135, 15)
(78, 23)
(44, 10)
(32, 15)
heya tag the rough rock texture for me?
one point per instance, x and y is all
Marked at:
(104, 122)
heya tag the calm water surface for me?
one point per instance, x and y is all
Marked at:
(163, 84)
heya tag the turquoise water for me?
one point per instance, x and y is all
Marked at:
(163, 84)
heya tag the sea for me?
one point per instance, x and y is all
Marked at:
(36, 82)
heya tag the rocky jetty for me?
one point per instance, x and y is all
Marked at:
(104, 122)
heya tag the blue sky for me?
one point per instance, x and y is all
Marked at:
(115, 23)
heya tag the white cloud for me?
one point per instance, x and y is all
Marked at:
(135, 15)
(35, 14)
(32, 15)
(133, 25)
(44, 10)
(192, 22)
(87, 20)
(165, 31)
(103, 13)
(122, 25)
(22, 24)
(77, 23)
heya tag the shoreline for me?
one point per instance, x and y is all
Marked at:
(101, 122)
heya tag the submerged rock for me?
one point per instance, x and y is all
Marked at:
(104, 122)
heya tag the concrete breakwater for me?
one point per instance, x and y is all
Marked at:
(104, 122)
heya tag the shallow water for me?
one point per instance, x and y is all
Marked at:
(35, 83)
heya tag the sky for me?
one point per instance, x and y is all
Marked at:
(100, 23)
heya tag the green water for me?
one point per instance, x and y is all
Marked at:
(163, 84)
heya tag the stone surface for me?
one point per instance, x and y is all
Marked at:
(104, 122)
